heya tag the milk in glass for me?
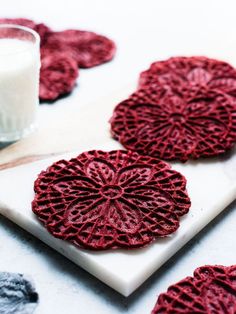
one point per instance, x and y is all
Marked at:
(19, 85)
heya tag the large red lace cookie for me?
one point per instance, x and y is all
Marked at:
(58, 74)
(176, 126)
(87, 48)
(184, 73)
(107, 200)
(211, 290)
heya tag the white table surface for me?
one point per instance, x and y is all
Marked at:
(144, 31)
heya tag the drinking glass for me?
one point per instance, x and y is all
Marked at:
(19, 81)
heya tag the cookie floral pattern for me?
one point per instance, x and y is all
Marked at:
(176, 126)
(178, 74)
(116, 199)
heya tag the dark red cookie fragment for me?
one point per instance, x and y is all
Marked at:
(43, 31)
(185, 73)
(211, 290)
(108, 200)
(177, 126)
(58, 75)
(87, 48)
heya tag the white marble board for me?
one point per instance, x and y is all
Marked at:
(211, 186)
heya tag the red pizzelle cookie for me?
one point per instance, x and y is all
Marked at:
(211, 290)
(176, 126)
(58, 74)
(108, 200)
(184, 73)
(87, 48)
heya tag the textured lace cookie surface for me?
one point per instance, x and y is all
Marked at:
(58, 74)
(184, 73)
(211, 290)
(118, 199)
(87, 48)
(181, 126)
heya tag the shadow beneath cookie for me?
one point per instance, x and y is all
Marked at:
(53, 101)
(224, 157)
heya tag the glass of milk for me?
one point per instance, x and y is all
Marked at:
(19, 81)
